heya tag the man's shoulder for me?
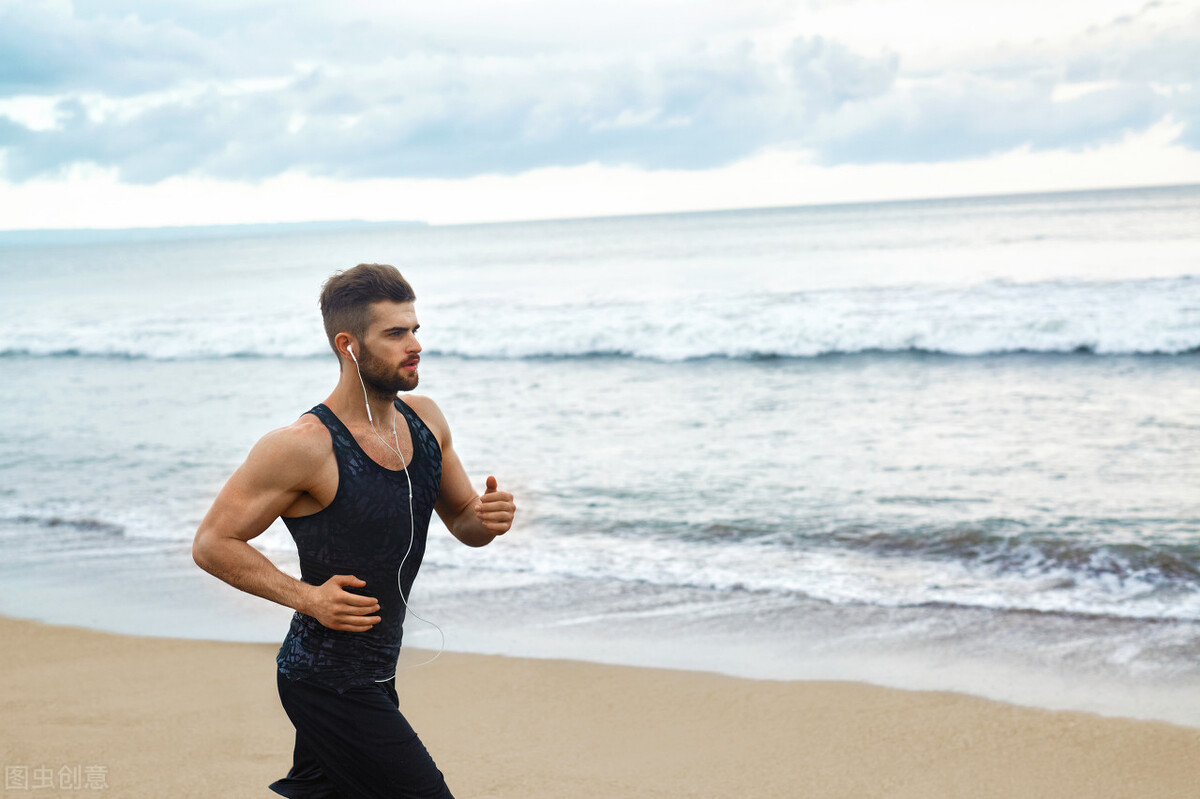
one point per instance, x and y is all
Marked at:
(417, 401)
(429, 412)
(305, 440)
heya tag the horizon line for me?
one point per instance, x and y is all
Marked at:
(265, 227)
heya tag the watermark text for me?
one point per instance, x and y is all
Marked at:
(68, 777)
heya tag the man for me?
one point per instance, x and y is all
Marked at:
(355, 480)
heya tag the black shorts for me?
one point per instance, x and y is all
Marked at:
(355, 744)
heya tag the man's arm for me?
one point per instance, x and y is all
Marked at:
(277, 471)
(473, 519)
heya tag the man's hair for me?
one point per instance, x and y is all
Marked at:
(346, 298)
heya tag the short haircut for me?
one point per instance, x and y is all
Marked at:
(346, 298)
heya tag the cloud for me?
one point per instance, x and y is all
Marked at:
(249, 91)
(45, 48)
(440, 115)
(965, 116)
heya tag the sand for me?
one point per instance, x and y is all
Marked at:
(156, 717)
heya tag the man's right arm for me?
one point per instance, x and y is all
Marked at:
(279, 468)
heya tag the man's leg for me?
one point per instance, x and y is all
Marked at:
(307, 779)
(363, 744)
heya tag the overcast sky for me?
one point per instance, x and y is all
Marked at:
(132, 113)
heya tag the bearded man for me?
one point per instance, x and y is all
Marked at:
(355, 480)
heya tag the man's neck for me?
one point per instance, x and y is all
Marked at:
(346, 401)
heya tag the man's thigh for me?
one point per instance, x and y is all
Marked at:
(362, 742)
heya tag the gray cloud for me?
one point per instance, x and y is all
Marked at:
(44, 50)
(347, 99)
(965, 117)
(455, 116)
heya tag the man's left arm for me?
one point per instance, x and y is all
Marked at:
(473, 519)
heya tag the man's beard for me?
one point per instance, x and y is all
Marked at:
(383, 379)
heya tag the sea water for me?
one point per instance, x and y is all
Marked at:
(936, 444)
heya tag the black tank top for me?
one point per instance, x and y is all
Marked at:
(364, 531)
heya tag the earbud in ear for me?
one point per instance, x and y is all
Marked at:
(350, 349)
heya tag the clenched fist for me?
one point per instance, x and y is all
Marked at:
(495, 509)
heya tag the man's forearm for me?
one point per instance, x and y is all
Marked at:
(470, 530)
(236, 562)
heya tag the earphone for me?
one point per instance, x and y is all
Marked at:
(350, 349)
(411, 524)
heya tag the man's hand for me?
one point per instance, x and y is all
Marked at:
(495, 509)
(339, 609)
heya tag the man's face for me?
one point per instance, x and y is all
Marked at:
(390, 351)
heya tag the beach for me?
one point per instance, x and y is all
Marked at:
(887, 499)
(931, 445)
(154, 717)
(803, 399)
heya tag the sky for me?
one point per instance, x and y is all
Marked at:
(130, 114)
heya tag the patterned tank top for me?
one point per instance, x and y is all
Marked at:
(364, 531)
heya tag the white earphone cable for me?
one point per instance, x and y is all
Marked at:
(411, 524)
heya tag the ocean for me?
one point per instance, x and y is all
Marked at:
(942, 444)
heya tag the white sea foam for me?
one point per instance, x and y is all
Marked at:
(1158, 316)
(1107, 583)
(1101, 581)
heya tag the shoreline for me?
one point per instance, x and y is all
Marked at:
(1046, 661)
(186, 717)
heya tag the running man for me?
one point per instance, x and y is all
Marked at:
(355, 480)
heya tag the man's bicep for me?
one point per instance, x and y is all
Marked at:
(259, 491)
